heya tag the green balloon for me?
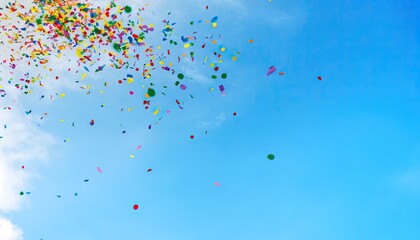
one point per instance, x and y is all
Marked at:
(270, 156)
(181, 76)
(224, 76)
(151, 92)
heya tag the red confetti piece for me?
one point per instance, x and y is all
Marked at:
(135, 207)
(319, 78)
(192, 136)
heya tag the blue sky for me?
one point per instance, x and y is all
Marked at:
(347, 147)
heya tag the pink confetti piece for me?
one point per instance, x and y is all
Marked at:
(99, 169)
(271, 70)
(217, 184)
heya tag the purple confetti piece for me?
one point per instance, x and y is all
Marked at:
(271, 70)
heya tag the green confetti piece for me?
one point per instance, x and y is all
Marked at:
(151, 92)
(127, 9)
(116, 46)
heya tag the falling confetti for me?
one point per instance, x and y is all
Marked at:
(271, 70)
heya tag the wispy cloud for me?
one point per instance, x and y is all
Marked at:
(8, 231)
(21, 144)
(409, 180)
(215, 122)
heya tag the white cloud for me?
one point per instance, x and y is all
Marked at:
(21, 144)
(215, 122)
(8, 231)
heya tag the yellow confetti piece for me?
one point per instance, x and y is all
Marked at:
(214, 25)
(187, 45)
(61, 120)
(101, 91)
(234, 58)
(213, 41)
(62, 95)
(84, 75)
(156, 112)
(211, 89)
(130, 80)
(131, 156)
(223, 49)
(79, 52)
(161, 62)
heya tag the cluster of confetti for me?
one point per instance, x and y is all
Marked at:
(148, 58)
